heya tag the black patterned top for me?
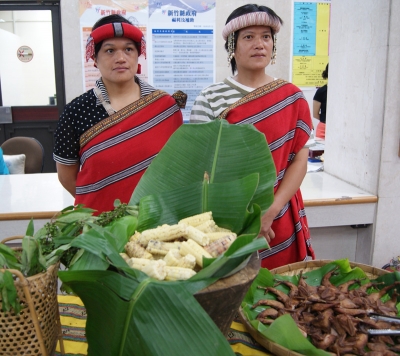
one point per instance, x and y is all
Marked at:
(80, 115)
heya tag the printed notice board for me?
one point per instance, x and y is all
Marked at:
(311, 21)
(180, 42)
(136, 11)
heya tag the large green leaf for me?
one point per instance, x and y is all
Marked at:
(157, 319)
(8, 257)
(227, 152)
(139, 309)
(149, 317)
(116, 234)
(229, 210)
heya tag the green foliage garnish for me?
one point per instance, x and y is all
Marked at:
(52, 243)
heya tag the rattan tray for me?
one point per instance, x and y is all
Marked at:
(290, 270)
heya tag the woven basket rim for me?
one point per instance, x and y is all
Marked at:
(314, 264)
(292, 268)
(49, 270)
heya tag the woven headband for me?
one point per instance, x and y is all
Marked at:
(116, 29)
(251, 19)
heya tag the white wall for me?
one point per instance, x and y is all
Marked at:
(33, 29)
(363, 126)
(11, 69)
(73, 68)
(72, 51)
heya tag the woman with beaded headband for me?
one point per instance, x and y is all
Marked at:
(276, 108)
(107, 137)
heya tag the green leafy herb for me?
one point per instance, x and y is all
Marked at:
(9, 297)
(52, 243)
(32, 259)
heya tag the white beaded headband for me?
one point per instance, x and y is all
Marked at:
(251, 19)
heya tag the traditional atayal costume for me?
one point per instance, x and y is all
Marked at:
(113, 148)
(280, 111)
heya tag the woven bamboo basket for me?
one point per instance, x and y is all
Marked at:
(222, 299)
(36, 330)
(291, 270)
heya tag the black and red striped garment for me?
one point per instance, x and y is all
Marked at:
(281, 112)
(116, 152)
(113, 151)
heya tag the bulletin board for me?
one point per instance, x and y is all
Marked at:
(310, 50)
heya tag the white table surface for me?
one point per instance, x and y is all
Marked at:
(41, 195)
(321, 188)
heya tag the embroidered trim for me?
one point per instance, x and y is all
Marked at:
(120, 116)
(260, 18)
(255, 94)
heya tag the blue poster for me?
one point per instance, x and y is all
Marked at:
(304, 29)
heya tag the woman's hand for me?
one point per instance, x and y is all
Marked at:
(290, 183)
(266, 222)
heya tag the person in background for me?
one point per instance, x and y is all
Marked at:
(108, 136)
(276, 108)
(319, 106)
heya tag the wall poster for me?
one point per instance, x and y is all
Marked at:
(311, 21)
(180, 41)
(91, 11)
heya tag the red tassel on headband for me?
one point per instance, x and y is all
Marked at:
(116, 29)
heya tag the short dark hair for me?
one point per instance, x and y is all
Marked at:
(111, 19)
(325, 72)
(247, 9)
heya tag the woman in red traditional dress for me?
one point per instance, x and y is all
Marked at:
(108, 136)
(276, 108)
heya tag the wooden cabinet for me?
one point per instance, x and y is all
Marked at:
(39, 122)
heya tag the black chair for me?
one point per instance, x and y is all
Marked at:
(30, 147)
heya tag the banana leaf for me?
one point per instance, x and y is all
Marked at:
(296, 341)
(158, 319)
(150, 317)
(227, 153)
